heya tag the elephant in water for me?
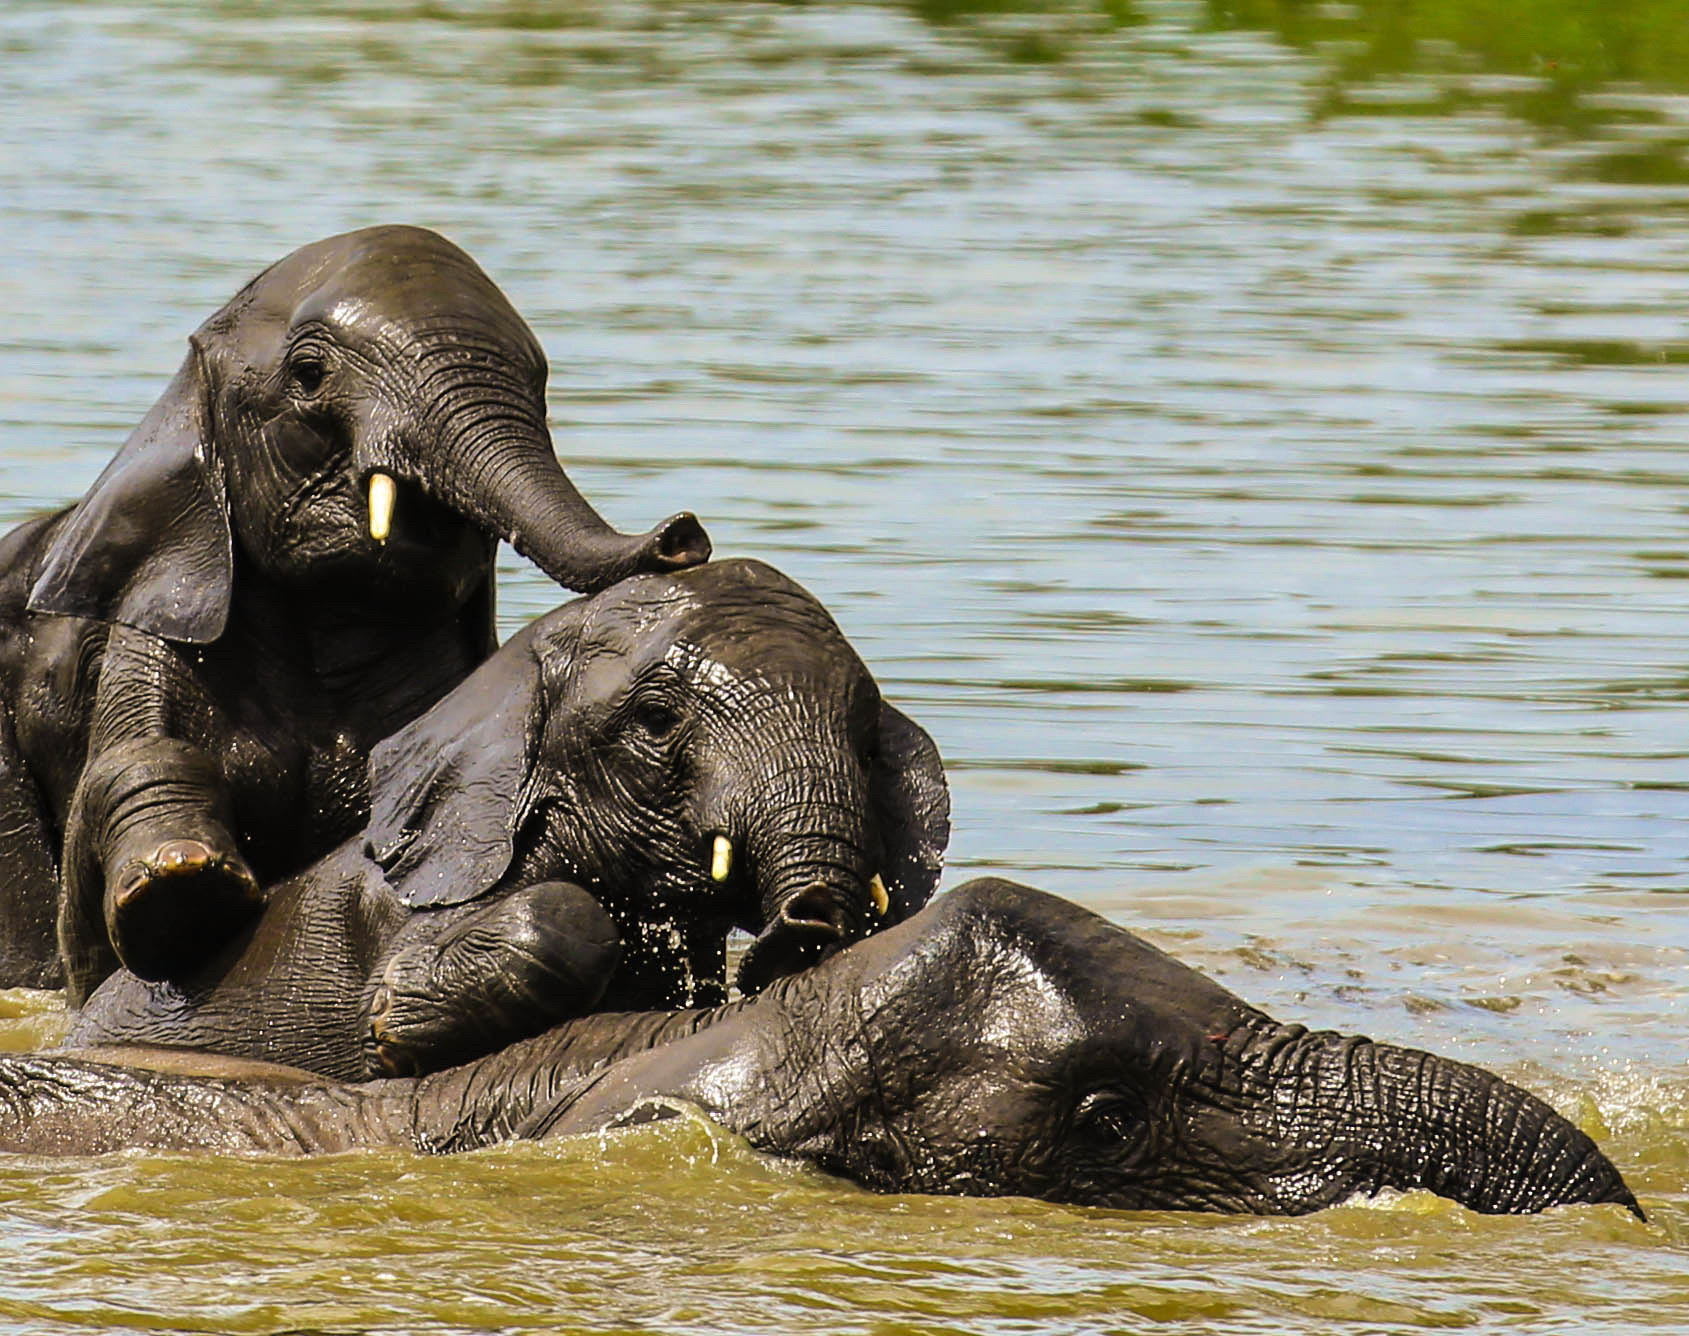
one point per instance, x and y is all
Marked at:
(631, 775)
(1000, 1042)
(290, 558)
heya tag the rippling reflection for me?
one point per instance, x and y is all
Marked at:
(1250, 437)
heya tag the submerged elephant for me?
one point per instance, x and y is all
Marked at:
(691, 752)
(290, 558)
(1000, 1042)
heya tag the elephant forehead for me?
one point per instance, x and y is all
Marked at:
(782, 639)
(607, 665)
(383, 239)
(1002, 1002)
(383, 255)
(672, 623)
(741, 692)
(727, 647)
(398, 307)
(377, 261)
(698, 666)
(360, 311)
(764, 684)
(1026, 1003)
(721, 601)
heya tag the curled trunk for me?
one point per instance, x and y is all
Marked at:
(521, 493)
(489, 455)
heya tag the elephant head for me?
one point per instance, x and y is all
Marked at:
(698, 750)
(1006, 1042)
(360, 423)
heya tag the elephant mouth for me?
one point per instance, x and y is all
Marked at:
(803, 929)
(724, 878)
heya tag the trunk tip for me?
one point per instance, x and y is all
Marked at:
(805, 929)
(679, 542)
(593, 566)
(1610, 1188)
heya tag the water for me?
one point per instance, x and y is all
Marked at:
(1250, 437)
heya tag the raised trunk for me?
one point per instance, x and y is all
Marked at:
(492, 460)
(1374, 1116)
(517, 490)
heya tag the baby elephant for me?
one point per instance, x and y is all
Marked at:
(291, 557)
(1001, 1042)
(631, 775)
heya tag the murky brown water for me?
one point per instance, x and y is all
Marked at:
(1252, 439)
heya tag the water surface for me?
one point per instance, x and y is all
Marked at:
(1251, 438)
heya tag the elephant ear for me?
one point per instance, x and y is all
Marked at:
(448, 791)
(150, 545)
(911, 804)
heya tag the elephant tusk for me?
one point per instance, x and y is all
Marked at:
(721, 859)
(381, 494)
(877, 889)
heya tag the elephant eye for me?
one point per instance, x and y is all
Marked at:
(1108, 1116)
(655, 717)
(307, 369)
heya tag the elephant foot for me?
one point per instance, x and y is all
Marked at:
(170, 910)
(387, 1050)
(473, 981)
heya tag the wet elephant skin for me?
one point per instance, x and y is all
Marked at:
(1000, 1042)
(582, 823)
(198, 655)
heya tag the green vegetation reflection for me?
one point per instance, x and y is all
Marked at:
(1563, 50)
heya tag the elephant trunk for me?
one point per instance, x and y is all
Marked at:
(1387, 1117)
(496, 465)
(810, 862)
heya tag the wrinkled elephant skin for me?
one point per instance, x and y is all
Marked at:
(1001, 1042)
(291, 557)
(629, 778)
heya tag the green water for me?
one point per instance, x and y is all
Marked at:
(1250, 436)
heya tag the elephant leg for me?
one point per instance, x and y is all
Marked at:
(153, 875)
(468, 981)
(29, 877)
(153, 878)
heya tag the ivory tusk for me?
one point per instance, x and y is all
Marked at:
(721, 859)
(381, 494)
(877, 889)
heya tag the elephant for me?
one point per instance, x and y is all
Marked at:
(582, 821)
(290, 558)
(1000, 1042)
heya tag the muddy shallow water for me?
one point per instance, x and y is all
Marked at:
(1251, 438)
